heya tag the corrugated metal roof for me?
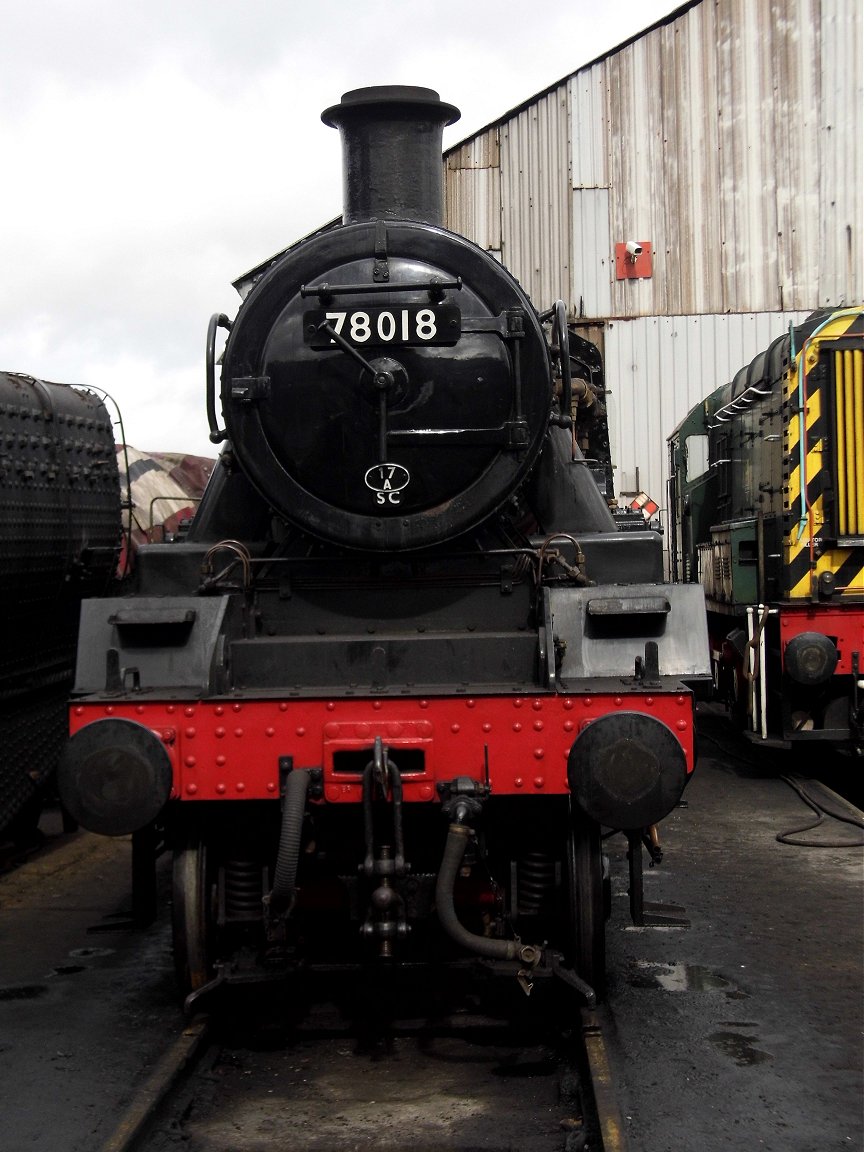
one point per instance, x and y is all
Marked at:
(588, 64)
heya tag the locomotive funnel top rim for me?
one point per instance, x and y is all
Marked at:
(394, 96)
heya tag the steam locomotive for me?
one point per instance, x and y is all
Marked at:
(59, 538)
(402, 668)
(767, 499)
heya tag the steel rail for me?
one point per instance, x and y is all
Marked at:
(150, 1096)
(612, 1132)
(187, 1048)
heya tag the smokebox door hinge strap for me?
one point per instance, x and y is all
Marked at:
(380, 270)
(250, 389)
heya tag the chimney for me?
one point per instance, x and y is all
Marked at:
(391, 149)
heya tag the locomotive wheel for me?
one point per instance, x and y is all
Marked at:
(193, 920)
(586, 910)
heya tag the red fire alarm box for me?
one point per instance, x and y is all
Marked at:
(633, 260)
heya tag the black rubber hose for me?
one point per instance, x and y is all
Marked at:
(454, 851)
(281, 896)
(826, 804)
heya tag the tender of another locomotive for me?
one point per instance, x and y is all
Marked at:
(403, 668)
(59, 540)
(767, 496)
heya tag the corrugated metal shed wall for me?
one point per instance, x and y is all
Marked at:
(731, 138)
(535, 198)
(658, 367)
(508, 189)
(472, 189)
(840, 174)
(734, 145)
(593, 262)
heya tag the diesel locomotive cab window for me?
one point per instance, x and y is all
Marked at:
(696, 457)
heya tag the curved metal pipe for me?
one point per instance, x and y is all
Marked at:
(282, 894)
(454, 852)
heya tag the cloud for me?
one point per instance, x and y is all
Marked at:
(152, 153)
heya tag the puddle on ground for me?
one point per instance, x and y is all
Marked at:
(23, 992)
(69, 969)
(740, 1048)
(683, 978)
(87, 953)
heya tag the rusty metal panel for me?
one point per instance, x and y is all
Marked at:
(472, 190)
(535, 194)
(842, 209)
(480, 151)
(667, 112)
(735, 140)
(591, 279)
(474, 205)
(658, 368)
(729, 136)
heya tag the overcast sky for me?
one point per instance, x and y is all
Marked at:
(151, 152)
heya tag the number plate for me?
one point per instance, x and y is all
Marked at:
(383, 327)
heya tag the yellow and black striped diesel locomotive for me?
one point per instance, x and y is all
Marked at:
(767, 499)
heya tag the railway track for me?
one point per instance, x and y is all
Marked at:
(87, 1003)
(470, 1079)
